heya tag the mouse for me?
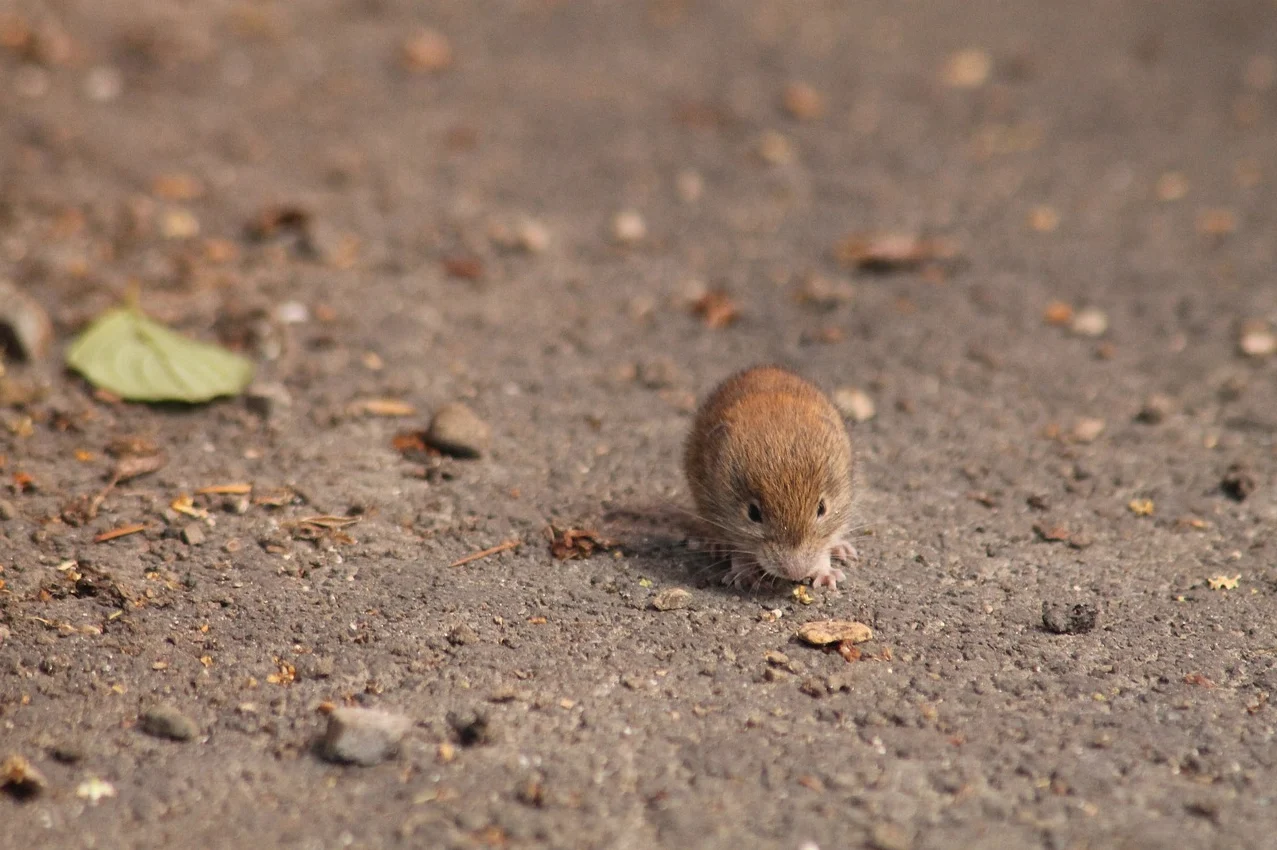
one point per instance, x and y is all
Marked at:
(769, 463)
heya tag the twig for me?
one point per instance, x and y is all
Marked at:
(500, 547)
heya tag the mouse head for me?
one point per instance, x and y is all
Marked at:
(785, 504)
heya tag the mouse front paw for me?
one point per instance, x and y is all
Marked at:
(844, 551)
(828, 578)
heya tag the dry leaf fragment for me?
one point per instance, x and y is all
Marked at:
(887, 252)
(225, 490)
(184, 504)
(1199, 680)
(1223, 582)
(1052, 533)
(1141, 507)
(122, 531)
(382, 407)
(716, 308)
(574, 544)
(1057, 313)
(825, 632)
(484, 553)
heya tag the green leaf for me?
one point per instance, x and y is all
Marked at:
(138, 359)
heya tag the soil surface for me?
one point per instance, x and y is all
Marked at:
(521, 205)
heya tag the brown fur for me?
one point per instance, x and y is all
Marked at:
(768, 436)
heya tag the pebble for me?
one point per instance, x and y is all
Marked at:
(1091, 321)
(1088, 429)
(457, 430)
(1156, 409)
(1062, 619)
(4, 634)
(775, 148)
(103, 84)
(179, 224)
(462, 634)
(689, 185)
(532, 236)
(659, 373)
(266, 399)
(1257, 341)
(426, 51)
(672, 599)
(802, 102)
(889, 836)
(315, 667)
(165, 721)
(193, 534)
(628, 228)
(363, 736)
(25, 329)
(854, 404)
(968, 69)
(7, 510)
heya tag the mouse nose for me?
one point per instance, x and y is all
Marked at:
(797, 564)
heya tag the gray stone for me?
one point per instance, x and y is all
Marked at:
(193, 534)
(456, 430)
(363, 736)
(165, 721)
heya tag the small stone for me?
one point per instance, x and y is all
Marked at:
(472, 728)
(103, 84)
(1257, 340)
(426, 51)
(659, 373)
(4, 634)
(967, 69)
(532, 236)
(193, 534)
(1062, 619)
(889, 836)
(165, 721)
(814, 687)
(1156, 409)
(20, 779)
(1238, 483)
(314, 667)
(1091, 321)
(802, 102)
(776, 659)
(25, 329)
(774, 148)
(823, 293)
(672, 599)
(456, 430)
(1172, 186)
(462, 635)
(7, 510)
(267, 399)
(179, 224)
(363, 736)
(628, 228)
(1087, 429)
(689, 185)
(854, 404)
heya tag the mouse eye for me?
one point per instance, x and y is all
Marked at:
(755, 512)
(820, 509)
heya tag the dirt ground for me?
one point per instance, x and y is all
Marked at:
(1064, 416)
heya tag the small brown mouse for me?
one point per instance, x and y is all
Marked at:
(769, 463)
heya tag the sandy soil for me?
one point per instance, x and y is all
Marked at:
(460, 244)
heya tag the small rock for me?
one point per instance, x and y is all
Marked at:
(7, 510)
(802, 102)
(363, 736)
(314, 667)
(1257, 340)
(1238, 482)
(1172, 186)
(532, 236)
(889, 836)
(628, 228)
(774, 148)
(814, 687)
(4, 634)
(462, 634)
(1090, 321)
(25, 329)
(1063, 619)
(1155, 409)
(165, 721)
(472, 728)
(1087, 429)
(456, 430)
(776, 659)
(193, 534)
(267, 399)
(967, 69)
(659, 373)
(689, 185)
(20, 779)
(854, 404)
(672, 599)
(179, 224)
(426, 51)
(103, 84)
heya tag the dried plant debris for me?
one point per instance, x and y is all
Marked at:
(138, 359)
(887, 252)
(20, 779)
(573, 544)
(716, 309)
(825, 632)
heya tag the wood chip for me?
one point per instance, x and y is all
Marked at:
(225, 490)
(717, 309)
(484, 553)
(825, 632)
(122, 531)
(382, 407)
(574, 544)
